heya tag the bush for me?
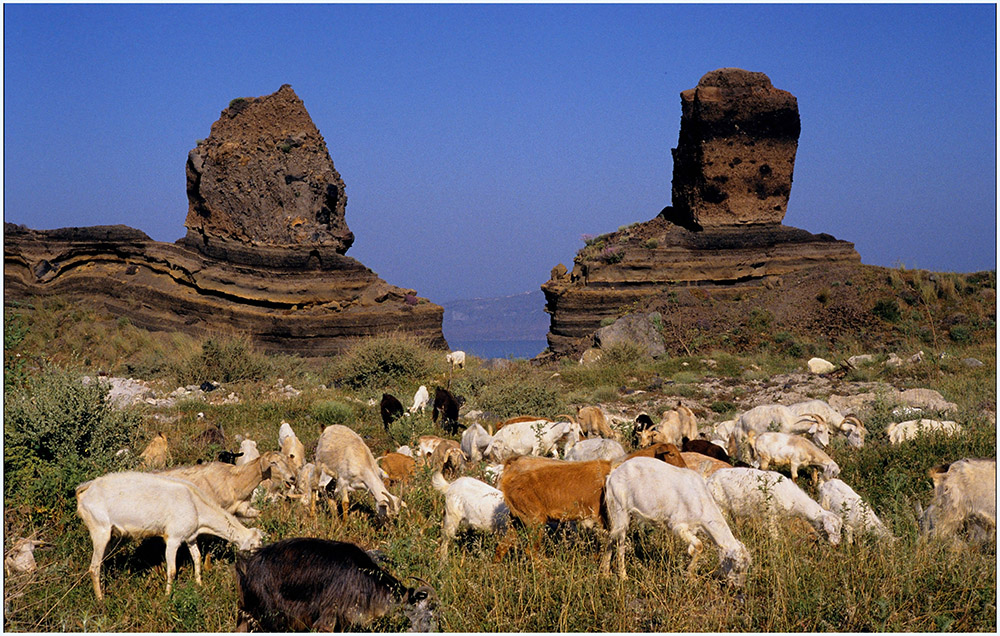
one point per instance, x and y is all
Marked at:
(329, 412)
(888, 310)
(960, 333)
(224, 360)
(58, 433)
(385, 362)
(517, 391)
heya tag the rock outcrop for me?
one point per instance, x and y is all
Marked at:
(722, 235)
(264, 252)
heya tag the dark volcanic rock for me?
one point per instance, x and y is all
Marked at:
(264, 177)
(264, 253)
(736, 151)
(723, 235)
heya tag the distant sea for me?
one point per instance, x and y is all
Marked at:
(499, 348)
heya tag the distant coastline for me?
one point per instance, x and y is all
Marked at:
(486, 349)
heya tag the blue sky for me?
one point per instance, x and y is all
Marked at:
(479, 142)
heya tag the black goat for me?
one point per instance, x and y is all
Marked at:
(391, 410)
(705, 447)
(228, 457)
(317, 584)
(642, 422)
(446, 408)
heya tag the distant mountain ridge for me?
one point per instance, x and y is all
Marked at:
(515, 317)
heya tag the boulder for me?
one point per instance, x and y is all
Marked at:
(736, 151)
(637, 328)
(820, 366)
(859, 360)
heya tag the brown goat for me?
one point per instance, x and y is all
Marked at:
(398, 468)
(521, 418)
(448, 458)
(703, 464)
(705, 447)
(157, 453)
(593, 422)
(664, 452)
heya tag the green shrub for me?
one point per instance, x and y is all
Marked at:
(15, 328)
(652, 244)
(517, 391)
(888, 310)
(329, 412)
(384, 362)
(58, 433)
(960, 333)
(230, 359)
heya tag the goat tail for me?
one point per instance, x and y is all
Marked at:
(439, 482)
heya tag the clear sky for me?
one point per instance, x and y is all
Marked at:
(479, 142)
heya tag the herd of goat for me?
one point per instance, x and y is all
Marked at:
(684, 477)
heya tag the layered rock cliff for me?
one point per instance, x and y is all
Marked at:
(723, 234)
(264, 251)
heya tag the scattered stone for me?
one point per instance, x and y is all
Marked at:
(893, 361)
(971, 362)
(122, 392)
(917, 357)
(637, 328)
(590, 356)
(927, 399)
(708, 362)
(857, 361)
(820, 366)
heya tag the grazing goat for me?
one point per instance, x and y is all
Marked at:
(291, 447)
(775, 417)
(703, 464)
(448, 458)
(855, 512)
(642, 423)
(157, 453)
(540, 437)
(597, 448)
(592, 421)
(398, 468)
(661, 451)
(674, 427)
(316, 584)
(142, 505)
(425, 447)
(849, 425)
(391, 410)
(748, 492)
(658, 492)
(456, 359)
(527, 418)
(248, 452)
(900, 432)
(307, 484)
(784, 449)
(475, 441)
(705, 448)
(420, 400)
(965, 498)
(231, 487)
(21, 558)
(445, 409)
(470, 502)
(342, 454)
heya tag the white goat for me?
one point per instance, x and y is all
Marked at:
(142, 505)
(900, 432)
(785, 449)
(674, 426)
(342, 454)
(470, 502)
(856, 513)
(249, 451)
(291, 447)
(475, 441)
(539, 437)
(420, 400)
(848, 425)
(775, 417)
(965, 495)
(595, 448)
(748, 492)
(659, 492)
(456, 359)
(231, 487)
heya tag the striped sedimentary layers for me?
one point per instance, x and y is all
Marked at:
(311, 301)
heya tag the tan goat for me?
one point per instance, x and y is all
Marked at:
(231, 487)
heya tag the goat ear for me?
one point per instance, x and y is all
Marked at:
(813, 429)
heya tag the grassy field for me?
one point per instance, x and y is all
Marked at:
(58, 433)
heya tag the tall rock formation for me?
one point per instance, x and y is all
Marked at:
(264, 251)
(723, 234)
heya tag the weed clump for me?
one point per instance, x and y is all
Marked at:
(329, 412)
(381, 362)
(59, 432)
(224, 360)
(517, 391)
